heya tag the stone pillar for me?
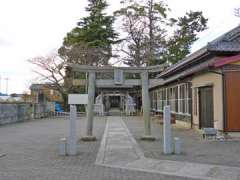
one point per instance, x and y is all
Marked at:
(102, 107)
(108, 103)
(167, 134)
(146, 107)
(90, 107)
(72, 139)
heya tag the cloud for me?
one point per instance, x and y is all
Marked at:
(5, 43)
(32, 28)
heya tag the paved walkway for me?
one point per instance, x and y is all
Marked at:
(119, 150)
(29, 151)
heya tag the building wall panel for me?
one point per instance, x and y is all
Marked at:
(214, 80)
(232, 80)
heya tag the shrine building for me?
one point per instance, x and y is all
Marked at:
(203, 89)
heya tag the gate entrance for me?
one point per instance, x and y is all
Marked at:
(123, 79)
(115, 102)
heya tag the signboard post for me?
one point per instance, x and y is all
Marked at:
(73, 100)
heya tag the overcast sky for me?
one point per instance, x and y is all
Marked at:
(30, 28)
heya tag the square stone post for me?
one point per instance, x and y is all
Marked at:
(72, 139)
(90, 107)
(167, 132)
(102, 106)
(146, 107)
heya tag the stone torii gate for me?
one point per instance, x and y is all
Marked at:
(117, 82)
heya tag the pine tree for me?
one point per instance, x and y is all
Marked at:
(91, 41)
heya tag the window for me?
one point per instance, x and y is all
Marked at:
(161, 99)
(158, 99)
(183, 99)
(153, 96)
(178, 97)
(173, 99)
(164, 100)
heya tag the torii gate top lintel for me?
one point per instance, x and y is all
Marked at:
(87, 68)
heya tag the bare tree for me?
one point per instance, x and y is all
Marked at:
(153, 37)
(141, 23)
(52, 69)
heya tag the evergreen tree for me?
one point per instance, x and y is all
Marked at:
(91, 41)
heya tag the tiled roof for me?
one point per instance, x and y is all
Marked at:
(228, 42)
(185, 60)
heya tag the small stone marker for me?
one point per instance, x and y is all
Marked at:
(167, 132)
(72, 139)
(177, 145)
(63, 147)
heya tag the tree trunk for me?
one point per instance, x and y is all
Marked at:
(150, 16)
(65, 102)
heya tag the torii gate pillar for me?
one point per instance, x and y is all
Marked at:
(90, 107)
(146, 107)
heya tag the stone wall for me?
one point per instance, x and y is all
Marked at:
(20, 112)
(10, 113)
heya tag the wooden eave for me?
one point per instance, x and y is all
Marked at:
(227, 60)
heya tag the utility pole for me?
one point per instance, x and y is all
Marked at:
(6, 85)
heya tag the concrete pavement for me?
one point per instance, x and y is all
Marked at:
(31, 153)
(120, 150)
